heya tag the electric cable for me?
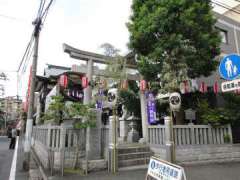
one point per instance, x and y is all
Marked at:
(26, 52)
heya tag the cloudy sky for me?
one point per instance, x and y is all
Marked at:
(84, 24)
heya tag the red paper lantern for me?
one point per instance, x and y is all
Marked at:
(143, 85)
(215, 87)
(203, 87)
(63, 80)
(84, 82)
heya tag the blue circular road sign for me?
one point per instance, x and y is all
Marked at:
(229, 67)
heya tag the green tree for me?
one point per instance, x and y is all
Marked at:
(174, 39)
(56, 110)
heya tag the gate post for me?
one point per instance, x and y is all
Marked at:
(170, 147)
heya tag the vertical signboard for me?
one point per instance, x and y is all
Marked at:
(151, 108)
(100, 95)
(163, 170)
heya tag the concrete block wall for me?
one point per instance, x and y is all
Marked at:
(201, 153)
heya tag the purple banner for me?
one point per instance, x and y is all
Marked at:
(151, 108)
(99, 101)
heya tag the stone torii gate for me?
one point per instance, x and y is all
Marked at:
(92, 58)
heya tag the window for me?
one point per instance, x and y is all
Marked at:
(224, 35)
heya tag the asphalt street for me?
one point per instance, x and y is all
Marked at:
(6, 157)
(224, 171)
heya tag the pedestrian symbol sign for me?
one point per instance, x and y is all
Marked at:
(229, 68)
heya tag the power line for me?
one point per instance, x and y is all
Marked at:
(26, 52)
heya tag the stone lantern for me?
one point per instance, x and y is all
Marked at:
(133, 135)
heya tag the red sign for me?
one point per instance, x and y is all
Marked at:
(84, 82)
(143, 85)
(63, 81)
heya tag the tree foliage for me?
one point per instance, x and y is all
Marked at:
(58, 111)
(55, 110)
(175, 39)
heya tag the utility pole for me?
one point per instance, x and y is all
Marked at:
(29, 124)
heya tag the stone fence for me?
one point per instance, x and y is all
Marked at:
(191, 135)
(58, 146)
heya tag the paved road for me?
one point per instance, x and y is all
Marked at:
(227, 171)
(6, 157)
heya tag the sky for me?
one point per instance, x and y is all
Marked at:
(84, 24)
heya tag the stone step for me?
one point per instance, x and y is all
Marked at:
(134, 155)
(133, 162)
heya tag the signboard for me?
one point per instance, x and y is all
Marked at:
(163, 170)
(151, 108)
(100, 95)
(230, 85)
(229, 67)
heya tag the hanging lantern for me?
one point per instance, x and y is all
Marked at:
(124, 84)
(143, 85)
(84, 82)
(203, 87)
(215, 87)
(63, 80)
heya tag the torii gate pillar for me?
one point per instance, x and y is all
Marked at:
(88, 91)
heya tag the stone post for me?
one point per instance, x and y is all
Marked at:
(94, 138)
(170, 147)
(123, 130)
(38, 106)
(144, 117)
(112, 152)
(88, 91)
(86, 100)
(63, 133)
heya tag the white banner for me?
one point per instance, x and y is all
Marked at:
(230, 85)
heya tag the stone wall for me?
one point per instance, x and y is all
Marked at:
(201, 153)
